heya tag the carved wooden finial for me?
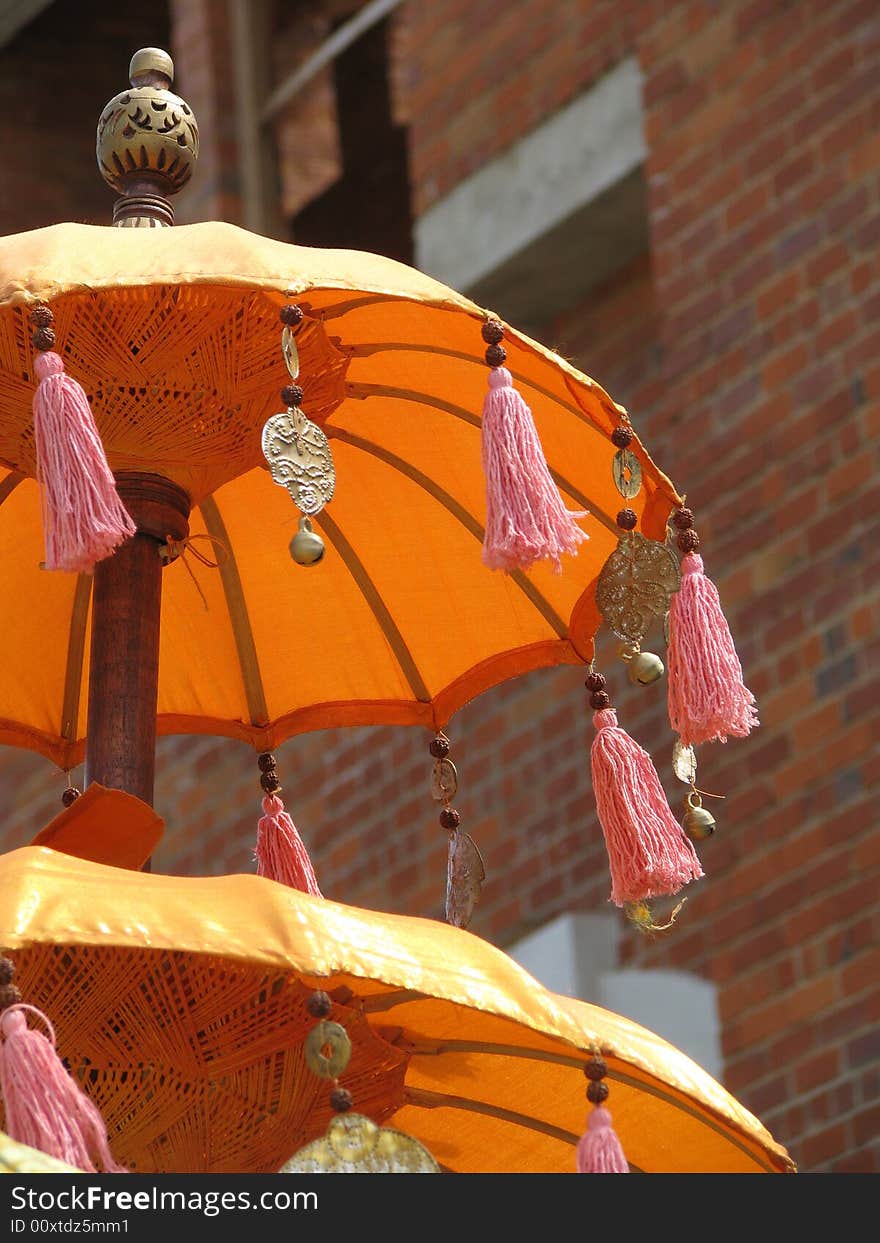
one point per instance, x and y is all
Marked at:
(148, 143)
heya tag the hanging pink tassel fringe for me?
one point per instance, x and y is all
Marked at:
(599, 1150)
(526, 520)
(281, 853)
(706, 694)
(83, 518)
(45, 1107)
(648, 852)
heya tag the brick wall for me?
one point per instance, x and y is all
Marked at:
(481, 76)
(56, 75)
(745, 346)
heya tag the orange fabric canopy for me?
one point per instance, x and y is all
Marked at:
(180, 1003)
(175, 336)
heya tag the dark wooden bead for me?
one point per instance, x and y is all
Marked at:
(319, 1004)
(621, 437)
(291, 394)
(495, 355)
(266, 761)
(43, 339)
(683, 519)
(70, 795)
(596, 1068)
(627, 519)
(492, 331)
(269, 781)
(42, 316)
(689, 541)
(600, 700)
(449, 818)
(341, 1100)
(439, 748)
(595, 682)
(9, 996)
(597, 1092)
(7, 970)
(291, 315)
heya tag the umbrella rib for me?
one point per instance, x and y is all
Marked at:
(379, 347)
(417, 1048)
(76, 644)
(378, 606)
(441, 1100)
(9, 484)
(337, 309)
(457, 510)
(238, 616)
(359, 390)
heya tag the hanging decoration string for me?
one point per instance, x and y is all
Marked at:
(173, 549)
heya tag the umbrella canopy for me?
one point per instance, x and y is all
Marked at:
(180, 1005)
(174, 335)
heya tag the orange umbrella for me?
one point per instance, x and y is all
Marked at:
(178, 1006)
(183, 1013)
(174, 335)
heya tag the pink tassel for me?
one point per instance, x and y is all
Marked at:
(599, 1150)
(526, 520)
(706, 694)
(45, 1107)
(83, 518)
(281, 853)
(648, 852)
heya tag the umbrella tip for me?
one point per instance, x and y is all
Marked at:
(147, 143)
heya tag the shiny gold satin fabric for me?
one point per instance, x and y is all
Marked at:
(463, 1049)
(174, 334)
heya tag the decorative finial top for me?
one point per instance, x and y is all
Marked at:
(151, 66)
(148, 143)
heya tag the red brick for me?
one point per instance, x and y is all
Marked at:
(823, 1146)
(816, 1070)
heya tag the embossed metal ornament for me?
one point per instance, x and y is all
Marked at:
(327, 1050)
(356, 1145)
(684, 762)
(300, 459)
(444, 781)
(627, 472)
(464, 879)
(635, 585)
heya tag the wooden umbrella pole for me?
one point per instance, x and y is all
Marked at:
(145, 163)
(124, 662)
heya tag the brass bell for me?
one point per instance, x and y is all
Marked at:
(697, 822)
(306, 547)
(645, 668)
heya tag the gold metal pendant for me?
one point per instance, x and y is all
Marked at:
(327, 1050)
(627, 472)
(356, 1145)
(290, 353)
(300, 459)
(636, 584)
(465, 874)
(444, 781)
(684, 762)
